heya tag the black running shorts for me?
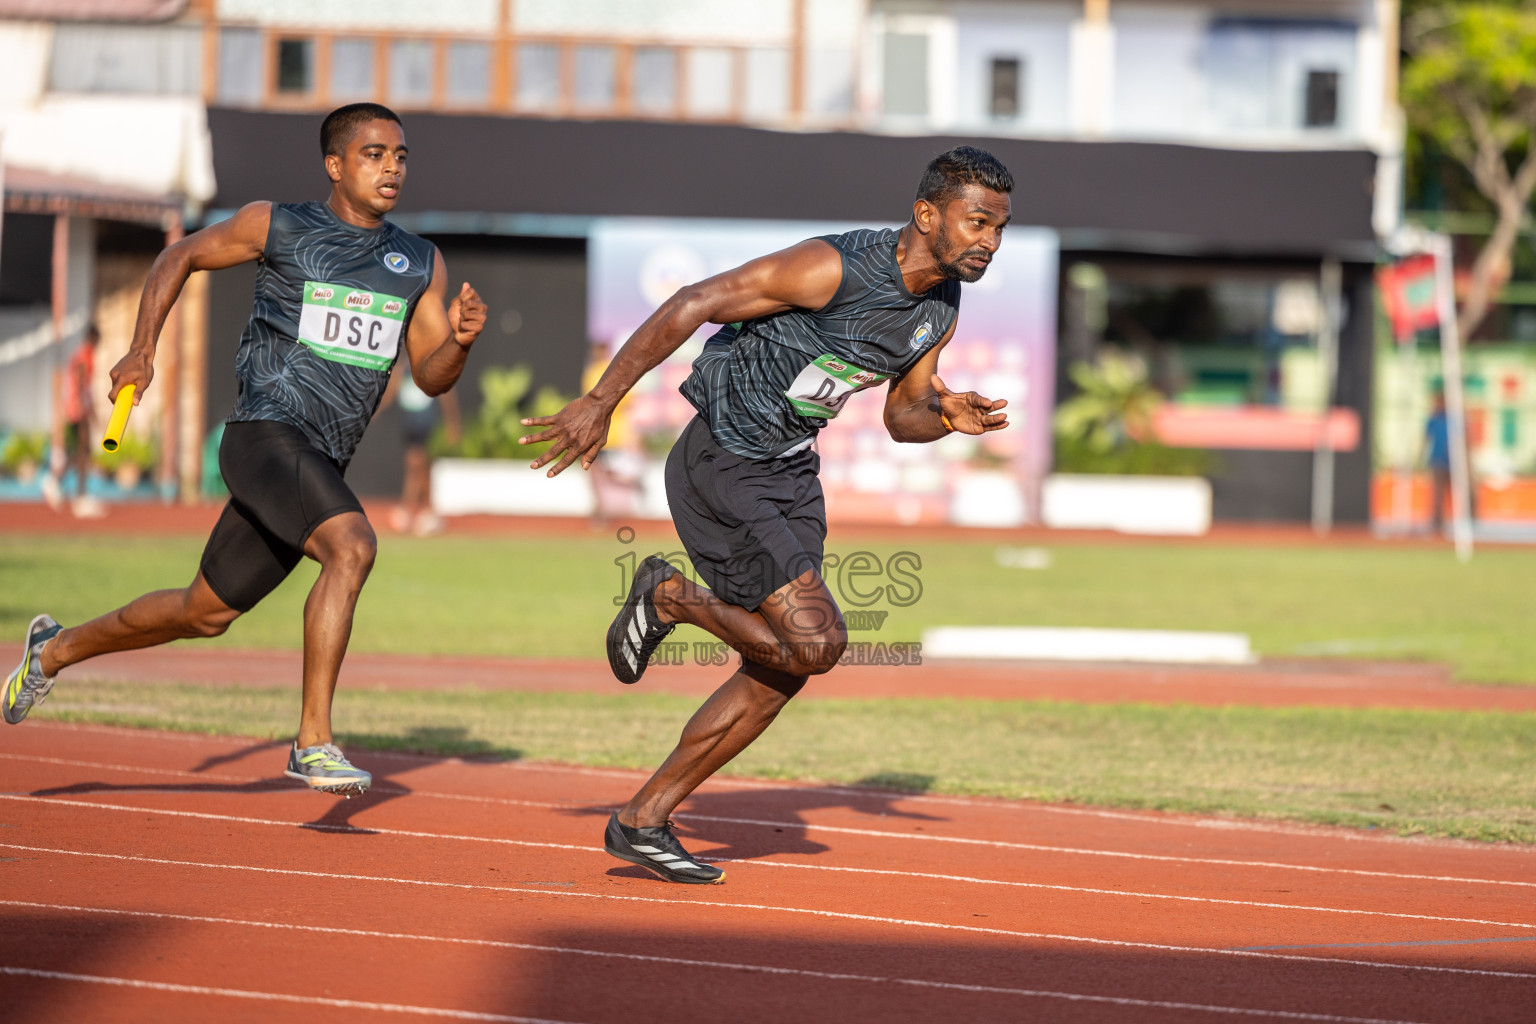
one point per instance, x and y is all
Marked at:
(751, 526)
(280, 488)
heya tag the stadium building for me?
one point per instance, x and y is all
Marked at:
(1194, 180)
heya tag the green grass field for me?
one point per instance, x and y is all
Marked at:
(1460, 774)
(553, 596)
(1470, 775)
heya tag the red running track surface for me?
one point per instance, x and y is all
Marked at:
(163, 877)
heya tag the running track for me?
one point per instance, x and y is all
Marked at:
(164, 877)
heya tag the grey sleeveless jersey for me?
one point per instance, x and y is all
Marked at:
(333, 302)
(766, 386)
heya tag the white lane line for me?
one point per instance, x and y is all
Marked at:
(985, 803)
(1035, 847)
(358, 830)
(1079, 851)
(306, 826)
(275, 997)
(722, 965)
(1085, 889)
(834, 914)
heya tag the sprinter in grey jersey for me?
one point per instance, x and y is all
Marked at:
(340, 292)
(807, 328)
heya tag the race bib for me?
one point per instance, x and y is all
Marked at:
(825, 384)
(352, 326)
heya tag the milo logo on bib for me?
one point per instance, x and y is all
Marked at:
(825, 384)
(351, 325)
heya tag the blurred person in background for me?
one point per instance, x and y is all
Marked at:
(78, 404)
(1437, 457)
(616, 470)
(419, 415)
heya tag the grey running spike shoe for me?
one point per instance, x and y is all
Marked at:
(327, 770)
(27, 687)
(637, 629)
(658, 850)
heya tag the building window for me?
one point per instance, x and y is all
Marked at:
(905, 76)
(538, 76)
(654, 89)
(767, 92)
(410, 72)
(1267, 76)
(595, 75)
(163, 59)
(352, 69)
(295, 65)
(1007, 88)
(1322, 103)
(240, 66)
(469, 73)
(710, 85)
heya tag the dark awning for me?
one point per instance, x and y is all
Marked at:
(1122, 195)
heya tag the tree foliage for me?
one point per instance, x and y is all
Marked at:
(1469, 85)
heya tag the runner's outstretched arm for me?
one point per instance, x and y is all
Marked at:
(439, 339)
(804, 276)
(918, 404)
(240, 239)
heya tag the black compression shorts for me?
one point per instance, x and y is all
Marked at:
(751, 526)
(280, 488)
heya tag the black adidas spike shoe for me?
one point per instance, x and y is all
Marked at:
(638, 629)
(658, 850)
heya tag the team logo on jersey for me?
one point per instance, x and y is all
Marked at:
(321, 294)
(921, 335)
(392, 306)
(397, 262)
(359, 300)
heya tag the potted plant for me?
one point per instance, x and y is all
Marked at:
(22, 454)
(1111, 471)
(135, 456)
(487, 471)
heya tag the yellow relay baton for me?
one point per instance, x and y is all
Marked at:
(119, 421)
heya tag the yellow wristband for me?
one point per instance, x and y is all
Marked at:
(945, 420)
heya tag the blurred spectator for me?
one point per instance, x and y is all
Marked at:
(1437, 454)
(616, 473)
(79, 407)
(419, 413)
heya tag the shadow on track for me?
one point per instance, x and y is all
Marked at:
(338, 815)
(762, 822)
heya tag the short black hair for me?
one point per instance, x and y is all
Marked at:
(950, 172)
(342, 123)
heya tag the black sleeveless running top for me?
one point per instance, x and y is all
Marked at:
(333, 303)
(766, 386)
